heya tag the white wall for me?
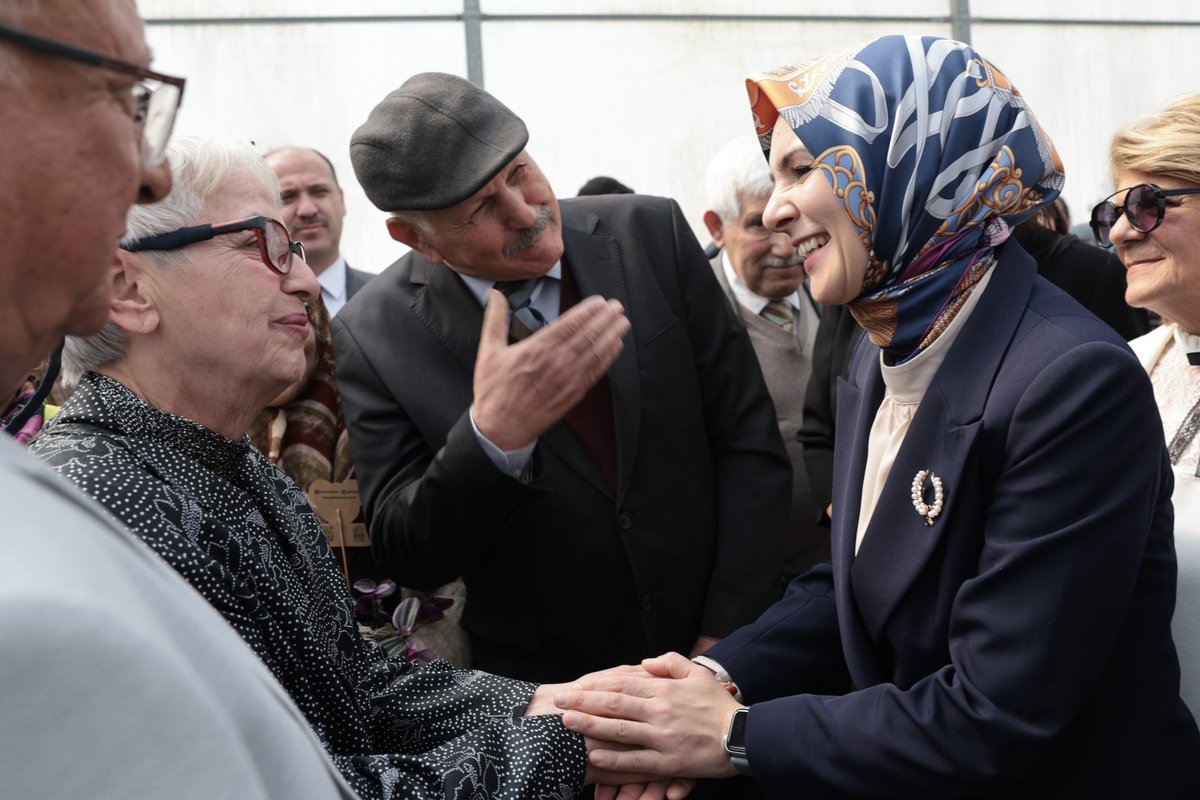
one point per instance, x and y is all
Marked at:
(646, 101)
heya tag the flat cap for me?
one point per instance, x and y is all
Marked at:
(433, 143)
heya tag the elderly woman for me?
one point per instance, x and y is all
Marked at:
(207, 325)
(1154, 221)
(996, 619)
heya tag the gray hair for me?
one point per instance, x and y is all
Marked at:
(738, 170)
(200, 167)
(414, 219)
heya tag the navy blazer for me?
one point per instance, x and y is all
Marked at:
(1020, 646)
(565, 576)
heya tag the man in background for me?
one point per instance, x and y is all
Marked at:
(119, 681)
(313, 209)
(763, 277)
(602, 465)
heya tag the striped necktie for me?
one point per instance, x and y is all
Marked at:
(781, 313)
(523, 318)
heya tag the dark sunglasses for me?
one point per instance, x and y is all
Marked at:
(1145, 206)
(275, 245)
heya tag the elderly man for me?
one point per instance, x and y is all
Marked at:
(118, 680)
(313, 209)
(603, 499)
(763, 277)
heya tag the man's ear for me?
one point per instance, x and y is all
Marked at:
(404, 233)
(715, 228)
(132, 307)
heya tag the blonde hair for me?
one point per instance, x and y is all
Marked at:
(1166, 143)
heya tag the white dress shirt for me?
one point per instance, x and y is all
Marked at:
(333, 286)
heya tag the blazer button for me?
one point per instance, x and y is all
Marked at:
(624, 521)
(647, 602)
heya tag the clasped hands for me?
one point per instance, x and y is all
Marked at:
(650, 729)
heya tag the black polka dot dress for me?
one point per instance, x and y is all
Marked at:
(243, 534)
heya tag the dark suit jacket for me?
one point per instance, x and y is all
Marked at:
(1092, 275)
(355, 280)
(562, 576)
(837, 336)
(1019, 647)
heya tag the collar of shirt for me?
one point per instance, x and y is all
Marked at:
(907, 382)
(1189, 343)
(333, 280)
(741, 293)
(545, 297)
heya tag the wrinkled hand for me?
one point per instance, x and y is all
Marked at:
(523, 389)
(673, 725)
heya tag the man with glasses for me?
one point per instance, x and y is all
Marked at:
(118, 679)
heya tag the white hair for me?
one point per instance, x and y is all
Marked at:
(414, 219)
(738, 170)
(200, 168)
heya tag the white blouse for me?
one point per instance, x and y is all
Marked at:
(1163, 352)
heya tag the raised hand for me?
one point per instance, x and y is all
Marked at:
(523, 389)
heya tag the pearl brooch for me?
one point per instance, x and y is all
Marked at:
(931, 511)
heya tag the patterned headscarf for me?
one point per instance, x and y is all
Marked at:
(934, 155)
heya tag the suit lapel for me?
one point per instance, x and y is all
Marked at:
(897, 544)
(857, 401)
(597, 269)
(448, 308)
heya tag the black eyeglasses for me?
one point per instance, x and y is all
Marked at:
(1145, 206)
(156, 96)
(275, 246)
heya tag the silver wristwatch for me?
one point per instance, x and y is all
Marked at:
(735, 741)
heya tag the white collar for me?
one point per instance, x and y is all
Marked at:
(907, 382)
(333, 279)
(481, 286)
(751, 300)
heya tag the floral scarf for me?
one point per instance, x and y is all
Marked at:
(934, 155)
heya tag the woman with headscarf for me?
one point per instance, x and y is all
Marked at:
(1153, 220)
(996, 618)
(208, 324)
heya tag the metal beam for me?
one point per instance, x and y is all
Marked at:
(473, 30)
(960, 20)
(964, 16)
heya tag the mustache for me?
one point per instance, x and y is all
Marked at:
(794, 260)
(529, 235)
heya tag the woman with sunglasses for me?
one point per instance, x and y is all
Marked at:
(1153, 219)
(208, 324)
(995, 621)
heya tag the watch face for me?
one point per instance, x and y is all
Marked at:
(735, 738)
